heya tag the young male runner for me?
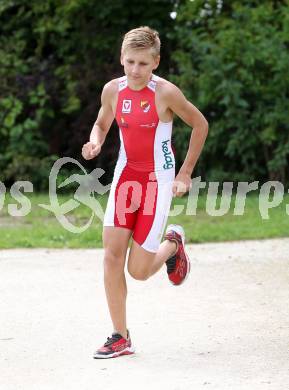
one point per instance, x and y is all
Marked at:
(144, 179)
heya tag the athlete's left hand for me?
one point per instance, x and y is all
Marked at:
(182, 184)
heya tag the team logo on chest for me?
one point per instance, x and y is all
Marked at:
(145, 106)
(126, 106)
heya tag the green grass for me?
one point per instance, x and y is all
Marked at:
(40, 228)
(251, 225)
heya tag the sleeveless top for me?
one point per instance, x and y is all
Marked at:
(145, 141)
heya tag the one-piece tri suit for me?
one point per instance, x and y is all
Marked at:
(141, 191)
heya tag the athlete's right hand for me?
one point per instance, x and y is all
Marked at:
(90, 150)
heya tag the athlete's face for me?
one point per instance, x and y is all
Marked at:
(138, 66)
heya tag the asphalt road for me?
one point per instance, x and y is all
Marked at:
(227, 327)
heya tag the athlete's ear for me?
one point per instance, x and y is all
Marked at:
(121, 59)
(157, 61)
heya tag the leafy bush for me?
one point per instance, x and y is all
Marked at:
(232, 61)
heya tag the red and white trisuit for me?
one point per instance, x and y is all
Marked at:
(141, 191)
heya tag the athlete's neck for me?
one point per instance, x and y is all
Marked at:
(137, 87)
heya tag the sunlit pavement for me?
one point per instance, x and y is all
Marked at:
(227, 327)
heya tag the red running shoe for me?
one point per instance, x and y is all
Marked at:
(115, 346)
(178, 266)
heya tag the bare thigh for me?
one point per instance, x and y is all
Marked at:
(140, 262)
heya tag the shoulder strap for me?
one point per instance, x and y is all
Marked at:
(122, 83)
(153, 83)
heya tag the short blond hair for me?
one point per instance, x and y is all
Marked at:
(142, 38)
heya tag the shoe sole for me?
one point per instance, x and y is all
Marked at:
(182, 234)
(187, 274)
(189, 270)
(127, 351)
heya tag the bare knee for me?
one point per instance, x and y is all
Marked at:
(140, 262)
(139, 274)
(113, 261)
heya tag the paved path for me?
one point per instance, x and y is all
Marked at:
(227, 328)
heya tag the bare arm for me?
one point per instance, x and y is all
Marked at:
(194, 118)
(102, 124)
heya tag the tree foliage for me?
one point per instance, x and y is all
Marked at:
(232, 62)
(229, 58)
(55, 57)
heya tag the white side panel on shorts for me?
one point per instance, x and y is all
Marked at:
(120, 165)
(164, 198)
(165, 178)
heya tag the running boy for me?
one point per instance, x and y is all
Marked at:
(144, 180)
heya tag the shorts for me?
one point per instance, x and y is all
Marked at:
(140, 201)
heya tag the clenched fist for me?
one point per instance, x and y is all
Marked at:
(182, 184)
(90, 150)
